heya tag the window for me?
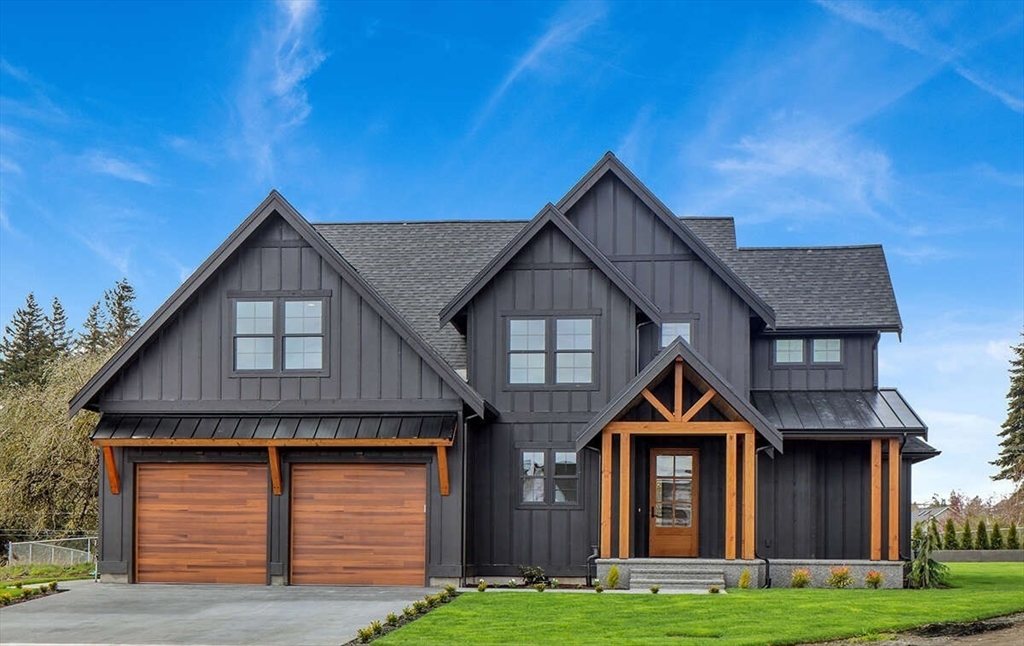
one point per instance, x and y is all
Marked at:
(826, 351)
(540, 485)
(669, 332)
(789, 351)
(279, 334)
(550, 351)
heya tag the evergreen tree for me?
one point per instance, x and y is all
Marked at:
(981, 540)
(949, 541)
(933, 534)
(1011, 454)
(1012, 539)
(967, 541)
(996, 542)
(93, 338)
(61, 337)
(123, 319)
(25, 348)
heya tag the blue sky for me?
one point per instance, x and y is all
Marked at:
(134, 137)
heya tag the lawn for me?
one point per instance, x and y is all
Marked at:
(31, 574)
(776, 616)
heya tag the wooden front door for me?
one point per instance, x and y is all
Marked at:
(674, 499)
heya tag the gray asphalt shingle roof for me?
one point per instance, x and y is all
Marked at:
(421, 266)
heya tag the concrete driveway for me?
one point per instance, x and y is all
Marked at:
(97, 613)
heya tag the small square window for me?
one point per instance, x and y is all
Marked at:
(526, 368)
(826, 351)
(574, 334)
(254, 353)
(303, 353)
(303, 317)
(573, 367)
(789, 351)
(671, 331)
(525, 335)
(254, 317)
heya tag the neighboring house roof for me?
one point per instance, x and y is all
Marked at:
(276, 204)
(838, 412)
(549, 215)
(926, 514)
(655, 371)
(115, 427)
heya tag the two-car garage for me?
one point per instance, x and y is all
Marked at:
(349, 523)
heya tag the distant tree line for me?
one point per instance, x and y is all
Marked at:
(48, 468)
(981, 538)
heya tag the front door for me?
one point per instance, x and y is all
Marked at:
(673, 502)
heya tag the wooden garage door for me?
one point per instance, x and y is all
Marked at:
(358, 524)
(201, 523)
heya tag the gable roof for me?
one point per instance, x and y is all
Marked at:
(610, 164)
(275, 204)
(718, 233)
(548, 215)
(658, 368)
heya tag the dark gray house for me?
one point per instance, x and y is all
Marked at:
(410, 402)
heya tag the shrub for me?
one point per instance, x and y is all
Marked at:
(599, 588)
(925, 572)
(554, 583)
(540, 587)
(532, 575)
(451, 589)
(613, 577)
(1012, 539)
(443, 596)
(420, 607)
(713, 589)
(744, 583)
(409, 612)
(392, 619)
(580, 586)
(981, 538)
(654, 589)
(5, 599)
(949, 541)
(800, 578)
(376, 627)
(432, 600)
(480, 587)
(873, 579)
(512, 583)
(364, 635)
(18, 584)
(967, 540)
(28, 592)
(53, 586)
(839, 577)
(996, 542)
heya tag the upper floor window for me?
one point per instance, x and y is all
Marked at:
(670, 331)
(550, 351)
(278, 334)
(789, 350)
(826, 351)
(540, 484)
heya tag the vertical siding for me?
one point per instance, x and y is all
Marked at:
(857, 370)
(190, 359)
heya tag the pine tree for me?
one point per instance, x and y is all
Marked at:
(981, 540)
(93, 338)
(61, 337)
(1011, 454)
(1012, 539)
(949, 541)
(123, 318)
(996, 542)
(967, 541)
(25, 348)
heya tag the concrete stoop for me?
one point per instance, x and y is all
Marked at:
(642, 577)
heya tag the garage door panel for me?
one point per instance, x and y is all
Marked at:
(201, 523)
(358, 524)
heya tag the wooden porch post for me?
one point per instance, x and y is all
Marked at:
(894, 499)
(624, 511)
(876, 500)
(606, 494)
(730, 496)
(749, 481)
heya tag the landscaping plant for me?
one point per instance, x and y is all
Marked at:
(532, 575)
(981, 539)
(949, 542)
(839, 577)
(482, 586)
(996, 542)
(713, 589)
(392, 619)
(967, 540)
(1012, 539)
(925, 572)
(613, 577)
(873, 579)
(654, 589)
(744, 583)
(800, 578)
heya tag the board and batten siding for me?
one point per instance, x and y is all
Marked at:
(857, 369)
(668, 272)
(190, 360)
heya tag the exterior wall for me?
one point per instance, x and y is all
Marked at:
(857, 370)
(780, 572)
(444, 518)
(188, 365)
(684, 288)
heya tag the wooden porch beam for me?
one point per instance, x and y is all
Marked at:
(625, 517)
(442, 470)
(275, 470)
(730, 496)
(606, 494)
(894, 499)
(658, 406)
(405, 442)
(749, 498)
(680, 428)
(113, 477)
(698, 405)
(678, 390)
(876, 500)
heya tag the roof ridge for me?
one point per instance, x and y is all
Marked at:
(706, 217)
(449, 221)
(876, 245)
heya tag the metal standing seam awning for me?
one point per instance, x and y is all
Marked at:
(838, 413)
(275, 432)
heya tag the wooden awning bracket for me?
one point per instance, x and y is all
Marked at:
(442, 470)
(113, 477)
(275, 469)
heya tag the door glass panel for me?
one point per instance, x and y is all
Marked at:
(664, 465)
(673, 491)
(684, 466)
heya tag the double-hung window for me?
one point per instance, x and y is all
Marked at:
(303, 335)
(550, 351)
(278, 334)
(254, 335)
(527, 340)
(549, 477)
(574, 351)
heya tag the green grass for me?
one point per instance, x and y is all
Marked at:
(44, 573)
(777, 616)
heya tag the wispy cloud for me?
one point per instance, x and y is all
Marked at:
(272, 100)
(635, 145)
(922, 254)
(8, 165)
(568, 26)
(907, 29)
(120, 258)
(105, 163)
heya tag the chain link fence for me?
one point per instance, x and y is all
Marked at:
(61, 551)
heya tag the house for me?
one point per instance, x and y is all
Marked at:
(405, 403)
(926, 514)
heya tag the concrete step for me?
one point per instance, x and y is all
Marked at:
(684, 578)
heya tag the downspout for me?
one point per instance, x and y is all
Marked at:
(462, 495)
(770, 452)
(594, 553)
